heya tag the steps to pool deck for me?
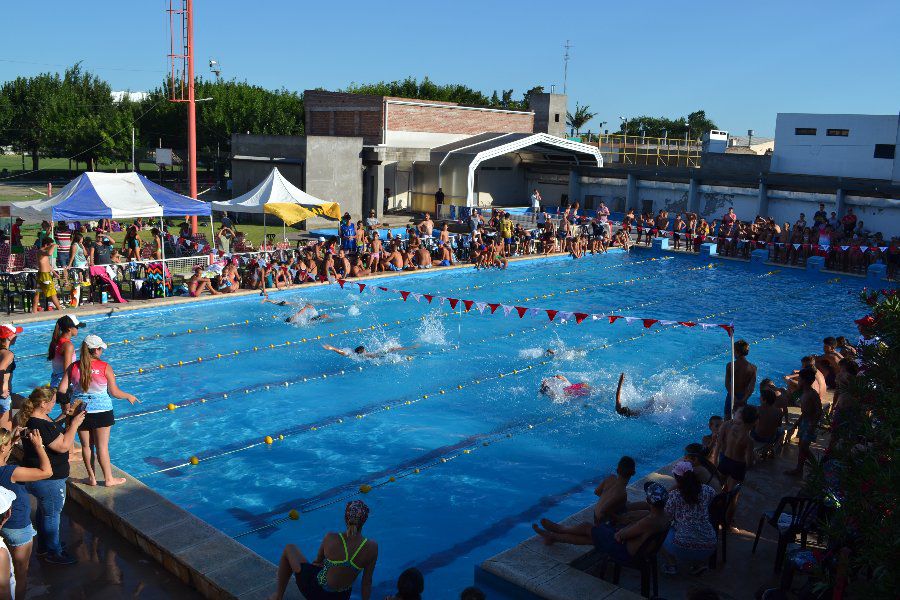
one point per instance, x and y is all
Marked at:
(197, 553)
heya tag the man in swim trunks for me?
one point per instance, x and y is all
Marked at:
(810, 413)
(827, 363)
(744, 379)
(793, 380)
(622, 544)
(361, 351)
(624, 410)
(770, 418)
(734, 447)
(612, 498)
(45, 275)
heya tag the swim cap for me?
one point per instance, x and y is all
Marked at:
(682, 467)
(359, 349)
(356, 513)
(655, 492)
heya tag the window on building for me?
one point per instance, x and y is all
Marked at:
(837, 132)
(885, 151)
(805, 131)
(556, 118)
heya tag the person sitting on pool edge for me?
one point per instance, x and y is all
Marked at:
(361, 351)
(341, 558)
(612, 500)
(197, 283)
(620, 545)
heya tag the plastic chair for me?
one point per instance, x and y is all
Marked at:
(719, 508)
(645, 561)
(794, 515)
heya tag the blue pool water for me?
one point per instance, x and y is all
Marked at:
(512, 455)
(330, 233)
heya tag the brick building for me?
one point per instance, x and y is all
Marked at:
(385, 153)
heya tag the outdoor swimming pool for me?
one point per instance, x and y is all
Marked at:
(493, 456)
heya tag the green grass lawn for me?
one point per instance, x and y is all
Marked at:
(13, 162)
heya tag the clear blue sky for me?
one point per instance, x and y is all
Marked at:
(742, 62)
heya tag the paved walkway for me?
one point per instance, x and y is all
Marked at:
(109, 567)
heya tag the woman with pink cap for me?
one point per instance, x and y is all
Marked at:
(331, 575)
(93, 385)
(8, 335)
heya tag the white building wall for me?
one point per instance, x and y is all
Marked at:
(421, 139)
(836, 156)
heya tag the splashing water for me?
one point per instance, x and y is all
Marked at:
(432, 330)
(353, 311)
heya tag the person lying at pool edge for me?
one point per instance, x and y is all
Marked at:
(361, 351)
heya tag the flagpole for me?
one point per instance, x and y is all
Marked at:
(733, 391)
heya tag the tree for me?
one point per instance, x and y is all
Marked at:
(695, 125)
(236, 107)
(428, 90)
(579, 118)
(34, 107)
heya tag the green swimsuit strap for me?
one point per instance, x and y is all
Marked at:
(353, 558)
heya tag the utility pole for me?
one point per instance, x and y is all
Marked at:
(566, 65)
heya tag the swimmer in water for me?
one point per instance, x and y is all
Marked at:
(361, 351)
(315, 318)
(552, 387)
(624, 410)
(550, 352)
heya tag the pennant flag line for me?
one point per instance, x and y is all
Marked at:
(551, 313)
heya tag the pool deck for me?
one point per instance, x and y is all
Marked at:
(533, 570)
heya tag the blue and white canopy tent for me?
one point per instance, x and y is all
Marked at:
(95, 196)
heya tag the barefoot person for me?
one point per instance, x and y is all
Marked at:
(51, 492)
(810, 413)
(18, 532)
(61, 352)
(744, 379)
(734, 445)
(94, 387)
(620, 545)
(45, 276)
(197, 284)
(308, 314)
(340, 560)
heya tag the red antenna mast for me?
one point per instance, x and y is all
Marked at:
(181, 82)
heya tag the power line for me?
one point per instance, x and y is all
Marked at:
(96, 67)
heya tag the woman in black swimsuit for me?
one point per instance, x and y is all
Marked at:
(8, 335)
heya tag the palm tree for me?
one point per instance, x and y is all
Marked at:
(581, 117)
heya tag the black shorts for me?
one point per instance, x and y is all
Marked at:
(96, 420)
(308, 583)
(735, 469)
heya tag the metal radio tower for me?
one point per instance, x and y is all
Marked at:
(566, 65)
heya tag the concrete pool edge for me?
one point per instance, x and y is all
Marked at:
(532, 570)
(200, 555)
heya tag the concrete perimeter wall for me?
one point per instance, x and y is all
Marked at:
(334, 173)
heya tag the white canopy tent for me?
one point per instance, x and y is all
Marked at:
(277, 196)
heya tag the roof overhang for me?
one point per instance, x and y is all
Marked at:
(496, 145)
